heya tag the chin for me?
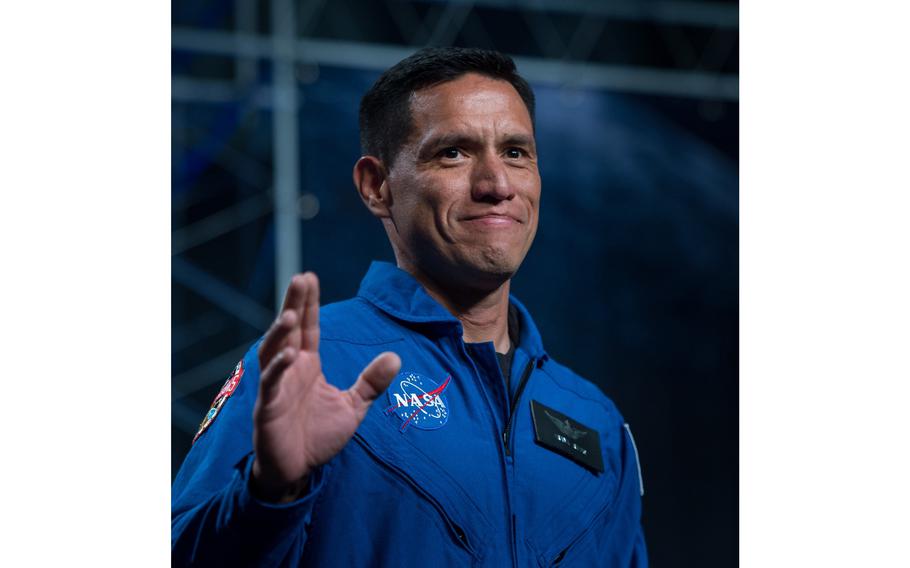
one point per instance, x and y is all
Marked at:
(492, 267)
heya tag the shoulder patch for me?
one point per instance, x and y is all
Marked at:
(226, 391)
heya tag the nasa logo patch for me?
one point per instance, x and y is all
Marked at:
(226, 391)
(418, 401)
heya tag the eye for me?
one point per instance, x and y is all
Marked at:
(515, 153)
(452, 153)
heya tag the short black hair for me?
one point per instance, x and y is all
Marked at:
(385, 110)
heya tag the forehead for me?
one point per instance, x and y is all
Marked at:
(470, 101)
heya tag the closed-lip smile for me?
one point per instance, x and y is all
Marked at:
(493, 218)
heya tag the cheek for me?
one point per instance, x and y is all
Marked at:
(423, 208)
(527, 178)
(532, 193)
(437, 199)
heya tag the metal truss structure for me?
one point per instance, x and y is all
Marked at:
(663, 48)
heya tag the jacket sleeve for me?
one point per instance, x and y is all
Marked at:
(215, 521)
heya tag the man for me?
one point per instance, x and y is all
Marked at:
(480, 449)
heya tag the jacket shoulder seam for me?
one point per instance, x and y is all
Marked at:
(603, 400)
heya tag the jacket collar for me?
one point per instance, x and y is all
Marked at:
(397, 293)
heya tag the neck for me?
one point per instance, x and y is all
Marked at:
(484, 314)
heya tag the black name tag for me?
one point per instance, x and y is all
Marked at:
(556, 431)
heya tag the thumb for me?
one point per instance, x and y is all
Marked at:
(374, 379)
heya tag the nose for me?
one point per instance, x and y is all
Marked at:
(490, 179)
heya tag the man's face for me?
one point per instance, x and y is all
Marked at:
(465, 188)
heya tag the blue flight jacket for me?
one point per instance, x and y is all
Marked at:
(440, 472)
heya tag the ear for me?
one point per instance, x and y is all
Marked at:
(370, 180)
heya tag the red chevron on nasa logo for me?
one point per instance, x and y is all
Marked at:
(418, 401)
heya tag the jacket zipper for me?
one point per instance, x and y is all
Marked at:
(521, 386)
(456, 530)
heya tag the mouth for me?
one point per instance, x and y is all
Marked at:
(492, 219)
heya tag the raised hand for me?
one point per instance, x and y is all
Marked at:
(300, 421)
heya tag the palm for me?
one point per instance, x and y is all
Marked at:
(307, 423)
(300, 420)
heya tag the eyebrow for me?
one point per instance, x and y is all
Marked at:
(450, 139)
(519, 140)
(466, 140)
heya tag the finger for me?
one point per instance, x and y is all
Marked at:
(270, 379)
(293, 297)
(374, 379)
(309, 325)
(294, 300)
(277, 337)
